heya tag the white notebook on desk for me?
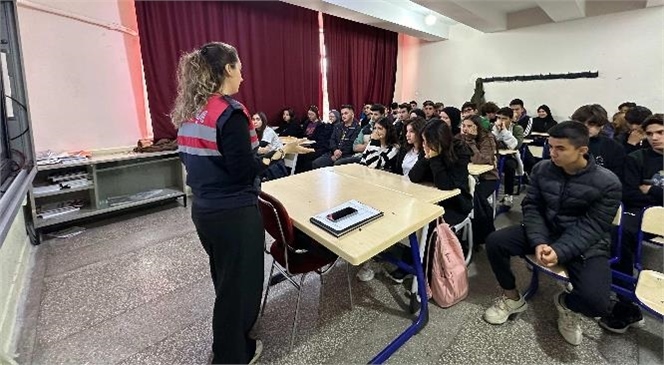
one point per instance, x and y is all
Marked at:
(345, 217)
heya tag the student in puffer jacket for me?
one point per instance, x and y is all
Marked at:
(567, 217)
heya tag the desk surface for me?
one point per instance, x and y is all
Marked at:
(397, 183)
(539, 134)
(307, 194)
(477, 169)
(507, 152)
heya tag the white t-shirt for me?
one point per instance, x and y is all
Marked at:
(271, 137)
(409, 161)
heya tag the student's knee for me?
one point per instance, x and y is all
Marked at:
(594, 304)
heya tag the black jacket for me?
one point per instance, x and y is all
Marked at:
(447, 176)
(398, 163)
(571, 213)
(343, 138)
(608, 153)
(640, 166)
(294, 129)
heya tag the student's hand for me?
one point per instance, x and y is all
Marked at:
(297, 147)
(546, 255)
(635, 137)
(429, 153)
(645, 188)
(499, 125)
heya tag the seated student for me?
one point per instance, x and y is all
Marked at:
(452, 117)
(445, 163)
(643, 186)
(334, 117)
(521, 116)
(341, 142)
(509, 136)
(376, 112)
(289, 124)
(567, 215)
(544, 120)
(429, 110)
(402, 119)
(488, 111)
(438, 107)
(624, 107)
(620, 127)
(381, 152)
(606, 152)
(413, 104)
(469, 109)
(636, 138)
(483, 145)
(365, 117)
(393, 112)
(414, 113)
(269, 140)
(411, 151)
(319, 132)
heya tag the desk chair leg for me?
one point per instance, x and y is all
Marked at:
(267, 290)
(297, 310)
(422, 318)
(350, 287)
(470, 243)
(534, 284)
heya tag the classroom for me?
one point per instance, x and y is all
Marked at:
(331, 181)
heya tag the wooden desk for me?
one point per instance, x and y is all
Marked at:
(397, 183)
(539, 134)
(528, 141)
(536, 151)
(304, 195)
(477, 169)
(505, 152)
(307, 194)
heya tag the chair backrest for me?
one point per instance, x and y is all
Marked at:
(275, 219)
(653, 221)
(290, 160)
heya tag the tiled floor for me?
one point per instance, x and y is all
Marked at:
(136, 290)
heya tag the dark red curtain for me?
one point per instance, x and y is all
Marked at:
(278, 45)
(361, 62)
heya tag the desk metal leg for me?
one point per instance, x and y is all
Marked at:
(424, 308)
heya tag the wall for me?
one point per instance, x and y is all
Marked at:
(626, 48)
(15, 257)
(84, 81)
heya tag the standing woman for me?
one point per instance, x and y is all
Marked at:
(217, 143)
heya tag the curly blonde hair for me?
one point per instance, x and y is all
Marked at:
(200, 74)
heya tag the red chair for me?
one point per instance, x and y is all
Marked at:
(293, 252)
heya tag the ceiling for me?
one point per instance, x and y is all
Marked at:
(406, 16)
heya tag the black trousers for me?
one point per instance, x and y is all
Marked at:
(233, 239)
(509, 172)
(485, 188)
(590, 278)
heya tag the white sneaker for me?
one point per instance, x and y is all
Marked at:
(365, 273)
(508, 200)
(490, 199)
(569, 323)
(503, 308)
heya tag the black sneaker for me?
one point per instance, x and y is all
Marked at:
(397, 275)
(622, 318)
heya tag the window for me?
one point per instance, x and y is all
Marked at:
(16, 146)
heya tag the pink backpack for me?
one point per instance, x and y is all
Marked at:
(449, 276)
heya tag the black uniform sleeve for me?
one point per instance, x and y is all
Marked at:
(240, 160)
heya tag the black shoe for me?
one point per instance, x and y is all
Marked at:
(397, 275)
(276, 279)
(622, 318)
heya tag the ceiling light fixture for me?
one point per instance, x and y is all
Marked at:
(430, 19)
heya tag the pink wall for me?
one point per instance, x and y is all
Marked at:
(84, 81)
